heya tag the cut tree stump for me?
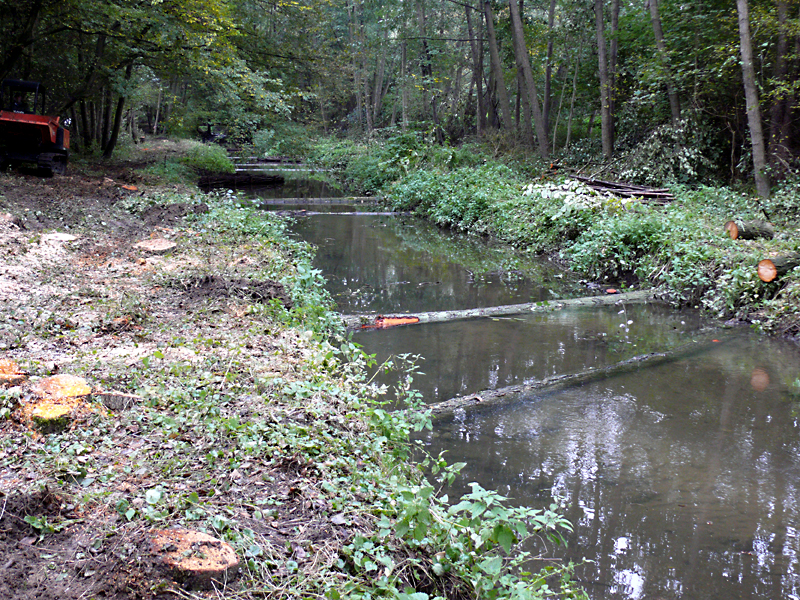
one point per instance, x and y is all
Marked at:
(379, 321)
(749, 230)
(155, 245)
(195, 559)
(771, 269)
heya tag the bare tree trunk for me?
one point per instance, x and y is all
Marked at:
(572, 100)
(751, 98)
(158, 110)
(497, 69)
(606, 116)
(108, 150)
(404, 92)
(612, 58)
(548, 70)
(477, 71)
(674, 102)
(377, 96)
(523, 63)
(779, 154)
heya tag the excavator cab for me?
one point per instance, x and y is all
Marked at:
(27, 134)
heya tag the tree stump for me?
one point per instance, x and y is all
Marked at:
(195, 559)
(771, 269)
(749, 230)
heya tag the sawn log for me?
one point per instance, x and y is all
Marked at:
(749, 230)
(369, 321)
(770, 269)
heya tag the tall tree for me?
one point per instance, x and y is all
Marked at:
(658, 31)
(606, 113)
(530, 94)
(497, 68)
(751, 98)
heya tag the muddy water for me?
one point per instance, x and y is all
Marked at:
(682, 479)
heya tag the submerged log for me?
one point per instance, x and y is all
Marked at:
(640, 296)
(515, 392)
(749, 230)
(770, 269)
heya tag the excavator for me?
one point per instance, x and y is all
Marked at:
(28, 136)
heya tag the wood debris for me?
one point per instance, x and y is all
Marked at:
(627, 190)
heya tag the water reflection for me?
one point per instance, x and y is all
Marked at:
(682, 479)
(464, 357)
(401, 265)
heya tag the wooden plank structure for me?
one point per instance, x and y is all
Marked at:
(627, 190)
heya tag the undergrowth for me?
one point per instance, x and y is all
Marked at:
(258, 424)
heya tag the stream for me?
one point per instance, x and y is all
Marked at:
(682, 478)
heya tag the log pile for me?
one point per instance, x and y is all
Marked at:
(628, 190)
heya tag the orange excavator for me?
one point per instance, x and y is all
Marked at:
(27, 134)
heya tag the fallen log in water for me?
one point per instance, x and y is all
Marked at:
(369, 321)
(749, 230)
(514, 392)
(770, 269)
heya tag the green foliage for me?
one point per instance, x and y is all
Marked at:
(283, 139)
(687, 152)
(209, 158)
(460, 199)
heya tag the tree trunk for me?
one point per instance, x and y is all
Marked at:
(158, 110)
(779, 154)
(112, 141)
(404, 91)
(477, 71)
(606, 117)
(674, 103)
(548, 70)
(751, 98)
(360, 321)
(749, 230)
(524, 64)
(572, 100)
(771, 269)
(612, 59)
(513, 393)
(497, 69)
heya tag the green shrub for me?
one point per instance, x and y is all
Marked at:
(210, 158)
(283, 139)
(461, 199)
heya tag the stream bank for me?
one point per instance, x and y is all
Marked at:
(240, 420)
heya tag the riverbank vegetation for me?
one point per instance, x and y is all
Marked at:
(679, 247)
(221, 397)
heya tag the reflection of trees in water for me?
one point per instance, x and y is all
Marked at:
(683, 481)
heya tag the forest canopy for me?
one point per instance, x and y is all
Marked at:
(678, 91)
